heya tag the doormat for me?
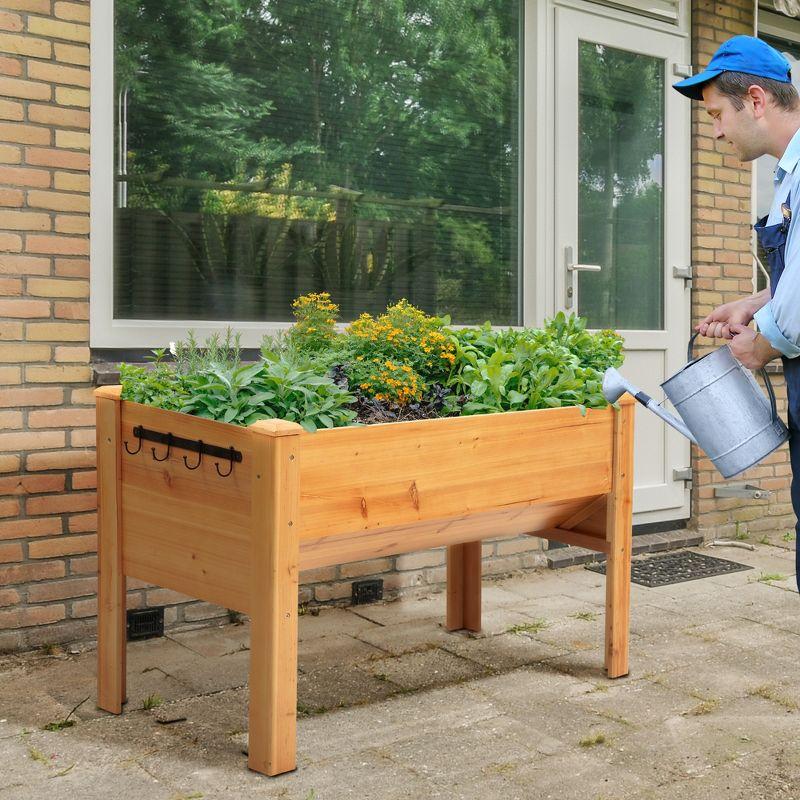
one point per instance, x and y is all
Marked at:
(683, 565)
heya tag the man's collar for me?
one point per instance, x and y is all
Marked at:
(788, 161)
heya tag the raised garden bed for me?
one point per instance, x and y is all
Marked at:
(236, 532)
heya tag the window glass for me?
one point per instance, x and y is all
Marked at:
(268, 148)
(621, 188)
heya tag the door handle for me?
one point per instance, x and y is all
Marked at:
(572, 268)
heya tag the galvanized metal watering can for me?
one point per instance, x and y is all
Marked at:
(722, 408)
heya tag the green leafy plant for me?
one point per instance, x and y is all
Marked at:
(558, 365)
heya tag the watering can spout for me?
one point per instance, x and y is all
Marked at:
(615, 385)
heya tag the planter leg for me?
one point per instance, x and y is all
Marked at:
(464, 587)
(273, 599)
(618, 533)
(111, 625)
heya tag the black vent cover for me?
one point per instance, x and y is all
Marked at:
(367, 591)
(145, 623)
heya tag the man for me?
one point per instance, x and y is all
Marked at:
(746, 89)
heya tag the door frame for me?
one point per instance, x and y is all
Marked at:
(543, 259)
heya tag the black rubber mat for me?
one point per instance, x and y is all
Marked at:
(683, 565)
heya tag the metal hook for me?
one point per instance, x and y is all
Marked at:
(137, 432)
(169, 447)
(199, 460)
(216, 466)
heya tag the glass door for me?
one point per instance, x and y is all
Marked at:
(622, 217)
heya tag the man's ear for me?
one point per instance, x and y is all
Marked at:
(758, 99)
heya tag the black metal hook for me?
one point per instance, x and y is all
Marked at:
(137, 432)
(169, 447)
(199, 460)
(216, 466)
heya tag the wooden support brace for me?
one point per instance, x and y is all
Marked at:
(464, 587)
(273, 598)
(619, 518)
(111, 626)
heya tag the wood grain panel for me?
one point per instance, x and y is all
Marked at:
(383, 476)
(187, 530)
(357, 545)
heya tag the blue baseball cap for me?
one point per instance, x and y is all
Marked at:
(739, 54)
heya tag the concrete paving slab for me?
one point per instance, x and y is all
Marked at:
(393, 706)
(424, 670)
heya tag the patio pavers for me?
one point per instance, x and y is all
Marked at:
(393, 706)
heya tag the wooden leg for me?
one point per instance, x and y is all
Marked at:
(273, 600)
(111, 633)
(464, 587)
(619, 514)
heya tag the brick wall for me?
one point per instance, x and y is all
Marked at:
(723, 266)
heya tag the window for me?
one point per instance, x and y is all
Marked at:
(268, 148)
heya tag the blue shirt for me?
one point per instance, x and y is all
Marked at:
(779, 319)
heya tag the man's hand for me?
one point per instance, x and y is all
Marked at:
(717, 325)
(751, 348)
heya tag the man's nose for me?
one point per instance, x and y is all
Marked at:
(718, 134)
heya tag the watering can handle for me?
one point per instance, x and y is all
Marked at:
(762, 371)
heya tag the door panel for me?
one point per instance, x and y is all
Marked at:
(622, 217)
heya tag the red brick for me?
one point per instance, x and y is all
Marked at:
(18, 220)
(11, 110)
(56, 115)
(28, 617)
(36, 484)
(61, 503)
(8, 597)
(10, 22)
(30, 440)
(10, 286)
(9, 507)
(24, 176)
(53, 157)
(62, 546)
(10, 66)
(86, 565)
(10, 243)
(61, 590)
(72, 54)
(10, 553)
(58, 245)
(24, 265)
(61, 459)
(82, 437)
(58, 73)
(11, 419)
(10, 398)
(11, 198)
(82, 523)
(82, 480)
(62, 417)
(72, 267)
(25, 528)
(26, 573)
(70, 310)
(72, 355)
(24, 309)
(24, 134)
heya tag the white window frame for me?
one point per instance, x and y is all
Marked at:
(106, 332)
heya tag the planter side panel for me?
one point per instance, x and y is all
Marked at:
(359, 545)
(188, 530)
(393, 475)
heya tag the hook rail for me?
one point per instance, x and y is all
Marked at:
(229, 454)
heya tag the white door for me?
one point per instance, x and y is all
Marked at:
(622, 205)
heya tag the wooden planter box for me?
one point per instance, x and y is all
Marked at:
(298, 500)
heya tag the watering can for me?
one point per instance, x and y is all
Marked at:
(722, 408)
